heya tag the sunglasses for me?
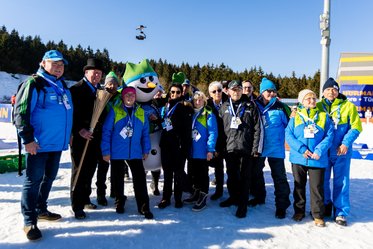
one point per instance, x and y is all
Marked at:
(219, 91)
(177, 92)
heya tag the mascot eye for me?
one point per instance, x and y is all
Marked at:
(151, 78)
(143, 80)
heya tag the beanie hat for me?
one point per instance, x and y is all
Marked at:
(186, 82)
(128, 89)
(178, 78)
(136, 71)
(330, 83)
(111, 77)
(266, 84)
(302, 94)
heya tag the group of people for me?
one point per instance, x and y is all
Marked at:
(231, 125)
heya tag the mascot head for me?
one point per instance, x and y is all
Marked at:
(143, 78)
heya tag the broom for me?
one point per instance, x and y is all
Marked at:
(102, 98)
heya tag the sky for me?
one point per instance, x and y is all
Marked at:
(212, 228)
(280, 36)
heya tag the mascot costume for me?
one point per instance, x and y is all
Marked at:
(145, 80)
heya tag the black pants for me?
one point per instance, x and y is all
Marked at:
(173, 171)
(200, 174)
(218, 164)
(257, 183)
(138, 178)
(80, 196)
(102, 170)
(278, 173)
(238, 172)
(316, 184)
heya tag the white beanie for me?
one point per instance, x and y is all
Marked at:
(303, 94)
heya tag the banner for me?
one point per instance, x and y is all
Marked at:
(6, 113)
(360, 95)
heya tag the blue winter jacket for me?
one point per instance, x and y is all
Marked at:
(128, 148)
(319, 144)
(41, 116)
(205, 123)
(274, 119)
(349, 125)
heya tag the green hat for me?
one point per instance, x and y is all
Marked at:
(136, 71)
(178, 78)
(111, 76)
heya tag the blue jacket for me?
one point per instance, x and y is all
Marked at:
(128, 148)
(274, 118)
(319, 144)
(41, 116)
(205, 123)
(349, 125)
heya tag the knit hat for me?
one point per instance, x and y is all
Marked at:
(111, 77)
(330, 83)
(93, 63)
(129, 89)
(54, 55)
(186, 82)
(136, 71)
(178, 78)
(266, 84)
(302, 94)
(234, 84)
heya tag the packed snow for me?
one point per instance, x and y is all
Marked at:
(211, 228)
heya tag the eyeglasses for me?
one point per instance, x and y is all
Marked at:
(177, 92)
(271, 91)
(214, 91)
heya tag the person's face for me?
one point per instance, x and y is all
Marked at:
(175, 92)
(269, 94)
(198, 102)
(129, 99)
(111, 87)
(330, 93)
(247, 88)
(185, 88)
(309, 101)
(55, 68)
(235, 93)
(93, 75)
(216, 93)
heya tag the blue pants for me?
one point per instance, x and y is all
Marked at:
(341, 184)
(41, 170)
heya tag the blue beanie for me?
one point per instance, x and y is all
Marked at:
(330, 83)
(266, 85)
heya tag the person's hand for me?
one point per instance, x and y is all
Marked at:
(144, 156)
(86, 134)
(106, 158)
(216, 154)
(209, 156)
(342, 150)
(307, 154)
(32, 148)
(315, 156)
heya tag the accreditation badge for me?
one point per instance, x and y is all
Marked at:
(309, 131)
(167, 124)
(65, 101)
(196, 135)
(235, 122)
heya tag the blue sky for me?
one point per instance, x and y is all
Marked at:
(280, 36)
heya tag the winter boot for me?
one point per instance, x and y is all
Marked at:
(32, 232)
(201, 202)
(154, 184)
(119, 204)
(192, 198)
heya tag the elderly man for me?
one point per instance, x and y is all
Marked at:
(43, 117)
(242, 128)
(347, 127)
(84, 95)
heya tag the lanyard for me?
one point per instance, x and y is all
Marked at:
(231, 109)
(130, 117)
(195, 116)
(60, 91)
(305, 118)
(170, 112)
(337, 110)
(93, 89)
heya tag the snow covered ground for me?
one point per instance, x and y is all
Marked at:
(213, 227)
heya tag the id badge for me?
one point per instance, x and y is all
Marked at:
(123, 133)
(167, 125)
(235, 122)
(308, 133)
(129, 132)
(336, 122)
(196, 135)
(65, 101)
